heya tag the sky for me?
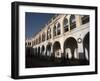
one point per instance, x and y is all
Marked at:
(34, 22)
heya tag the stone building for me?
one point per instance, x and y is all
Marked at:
(65, 35)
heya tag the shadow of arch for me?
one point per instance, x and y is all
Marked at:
(70, 45)
(86, 46)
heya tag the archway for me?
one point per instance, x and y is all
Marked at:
(86, 46)
(39, 51)
(70, 47)
(57, 50)
(48, 49)
(43, 50)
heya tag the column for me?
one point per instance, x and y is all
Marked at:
(61, 24)
(78, 20)
(80, 50)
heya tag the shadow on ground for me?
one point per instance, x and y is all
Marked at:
(36, 61)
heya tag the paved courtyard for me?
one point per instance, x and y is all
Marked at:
(35, 61)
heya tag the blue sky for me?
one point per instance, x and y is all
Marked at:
(34, 21)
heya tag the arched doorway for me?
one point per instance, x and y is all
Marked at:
(43, 50)
(48, 49)
(86, 46)
(38, 51)
(70, 48)
(57, 50)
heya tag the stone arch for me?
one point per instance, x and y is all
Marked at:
(86, 46)
(54, 30)
(48, 49)
(58, 28)
(43, 36)
(43, 50)
(39, 38)
(70, 48)
(57, 49)
(38, 50)
(65, 24)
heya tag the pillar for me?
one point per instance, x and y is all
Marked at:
(78, 20)
(80, 50)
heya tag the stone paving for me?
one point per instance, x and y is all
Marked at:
(35, 61)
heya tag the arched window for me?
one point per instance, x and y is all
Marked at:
(54, 31)
(48, 33)
(72, 22)
(36, 41)
(43, 36)
(39, 38)
(85, 19)
(65, 24)
(29, 43)
(58, 29)
(33, 43)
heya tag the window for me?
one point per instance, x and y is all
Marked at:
(54, 31)
(85, 19)
(72, 22)
(43, 36)
(36, 41)
(65, 24)
(39, 38)
(58, 29)
(32, 43)
(29, 43)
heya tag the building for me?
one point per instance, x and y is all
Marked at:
(64, 36)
